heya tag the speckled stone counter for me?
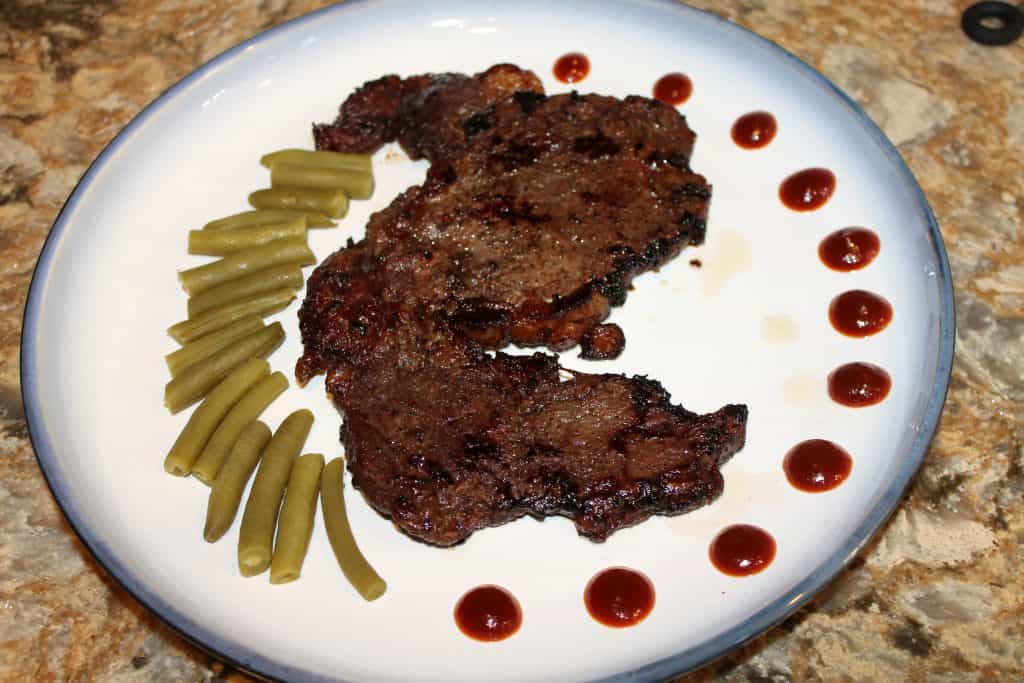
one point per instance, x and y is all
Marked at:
(937, 597)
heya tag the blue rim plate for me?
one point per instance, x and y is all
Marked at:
(491, 19)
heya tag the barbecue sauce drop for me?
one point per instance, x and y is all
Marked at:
(754, 130)
(673, 89)
(859, 384)
(808, 189)
(742, 550)
(849, 249)
(817, 465)
(859, 313)
(572, 67)
(619, 597)
(488, 613)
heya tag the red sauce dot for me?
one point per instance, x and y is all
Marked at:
(817, 465)
(849, 249)
(859, 313)
(754, 130)
(808, 189)
(859, 384)
(673, 89)
(619, 597)
(488, 613)
(572, 67)
(742, 550)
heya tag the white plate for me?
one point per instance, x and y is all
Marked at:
(105, 290)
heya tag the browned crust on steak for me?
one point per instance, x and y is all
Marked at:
(423, 112)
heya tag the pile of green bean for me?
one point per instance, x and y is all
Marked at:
(222, 364)
(260, 267)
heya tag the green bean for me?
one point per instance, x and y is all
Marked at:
(295, 526)
(197, 381)
(288, 276)
(248, 408)
(279, 252)
(265, 216)
(222, 316)
(208, 344)
(324, 159)
(207, 416)
(227, 489)
(356, 184)
(223, 242)
(331, 203)
(260, 516)
(355, 567)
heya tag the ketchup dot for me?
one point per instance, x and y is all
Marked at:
(859, 313)
(619, 597)
(817, 465)
(572, 67)
(858, 385)
(673, 89)
(742, 550)
(808, 189)
(488, 613)
(754, 130)
(849, 249)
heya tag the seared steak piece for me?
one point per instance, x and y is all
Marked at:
(445, 438)
(447, 448)
(537, 211)
(535, 215)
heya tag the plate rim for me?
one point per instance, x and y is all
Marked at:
(687, 660)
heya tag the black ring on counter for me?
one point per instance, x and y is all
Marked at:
(1010, 18)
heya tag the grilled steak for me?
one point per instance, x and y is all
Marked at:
(535, 215)
(446, 439)
(537, 211)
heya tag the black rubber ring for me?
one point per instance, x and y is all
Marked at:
(1012, 23)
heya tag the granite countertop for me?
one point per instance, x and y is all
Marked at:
(936, 597)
